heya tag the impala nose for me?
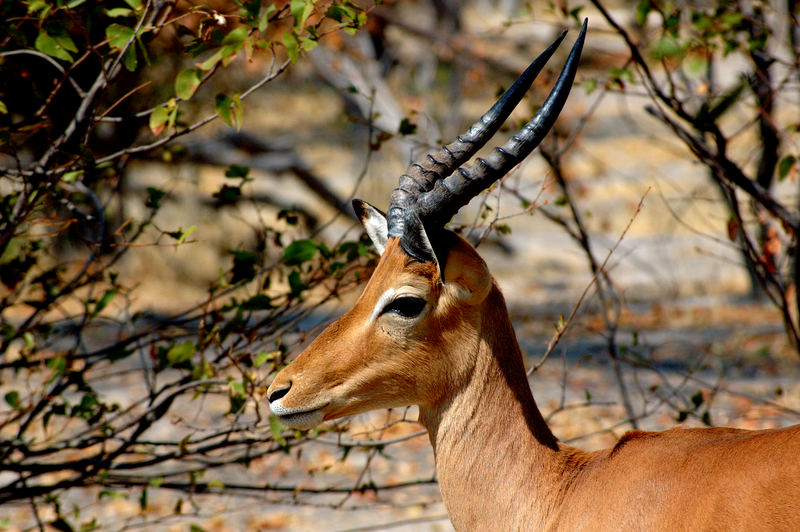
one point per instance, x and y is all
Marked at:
(277, 394)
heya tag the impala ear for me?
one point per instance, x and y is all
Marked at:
(374, 222)
(466, 271)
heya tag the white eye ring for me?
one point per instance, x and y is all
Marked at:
(384, 300)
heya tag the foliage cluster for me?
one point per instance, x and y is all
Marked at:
(86, 89)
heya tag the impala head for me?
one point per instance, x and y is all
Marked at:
(412, 334)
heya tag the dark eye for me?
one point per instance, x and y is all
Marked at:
(407, 307)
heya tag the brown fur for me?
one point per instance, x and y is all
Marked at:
(499, 466)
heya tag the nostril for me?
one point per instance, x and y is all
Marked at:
(277, 394)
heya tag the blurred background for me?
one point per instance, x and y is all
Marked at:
(175, 225)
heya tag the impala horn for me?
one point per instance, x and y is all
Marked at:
(430, 193)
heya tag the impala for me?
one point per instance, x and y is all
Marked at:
(431, 329)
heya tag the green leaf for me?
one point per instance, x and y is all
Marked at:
(58, 364)
(340, 13)
(667, 47)
(180, 353)
(154, 197)
(104, 301)
(236, 171)
(3, 108)
(258, 302)
(111, 494)
(301, 10)
(697, 399)
(307, 44)
(263, 20)
(250, 9)
(216, 483)
(119, 36)
(143, 499)
(129, 59)
(158, 119)
(701, 21)
(299, 251)
(619, 76)
(119, 12)
(180, 235)
(296, 284)
(406, 127)
(731, 20)
(186, 83)
(65, 42)
(575, 13)
(209, 63)
(503, 229)
(672, 22)
(71, 177)
(236, 387)
(642, 10)
(12, 398)
(591, 85)
(264, 356)
(291, 44)
(228, 194)
(236, 36)
(785, 166)
(54, 47)
(622, 73)
(276, 429)
(223, 105)
(202, 370)
(236, 397)
(118, 353)
(352, 250)
(244, 266)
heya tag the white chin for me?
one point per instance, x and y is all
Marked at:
(304, 421)
(296, 419)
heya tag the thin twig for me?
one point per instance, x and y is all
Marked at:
(561, 329)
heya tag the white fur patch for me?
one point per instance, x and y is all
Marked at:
(378, 233)
(296, 419)
(375, 224)
(382, 302)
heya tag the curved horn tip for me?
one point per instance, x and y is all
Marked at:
(584, 26)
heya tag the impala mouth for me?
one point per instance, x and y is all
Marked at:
(301, 419)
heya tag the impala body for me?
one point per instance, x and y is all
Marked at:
(431, 329)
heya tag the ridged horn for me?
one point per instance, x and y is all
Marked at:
(435, 207)
(422, 175)
(429, 194)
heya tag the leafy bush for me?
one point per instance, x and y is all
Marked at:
(87, 88)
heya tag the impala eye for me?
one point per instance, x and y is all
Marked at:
(407, 307)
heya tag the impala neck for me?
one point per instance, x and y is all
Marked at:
(490, 440)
